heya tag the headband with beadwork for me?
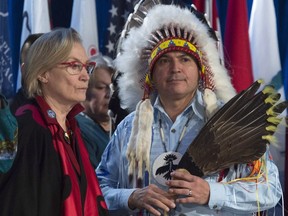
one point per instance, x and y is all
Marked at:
(173, 44)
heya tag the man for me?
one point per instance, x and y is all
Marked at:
(20, 97)
(172, 57)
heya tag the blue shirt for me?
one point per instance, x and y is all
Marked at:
(225, 199)
(95, 138)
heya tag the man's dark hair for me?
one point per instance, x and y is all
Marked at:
(27, 44)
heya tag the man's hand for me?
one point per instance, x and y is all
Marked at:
(152, 199)
(195, 189)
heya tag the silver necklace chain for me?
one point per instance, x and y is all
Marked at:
(181, 135)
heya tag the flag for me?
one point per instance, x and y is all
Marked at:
(35, 20)
(112, 16)
(266, 64)
(200, 5)
(209, 8)
(6, 73)
(282, 8)
(236, 45)
(84, 21)
(282, 21)
(264, 42)
(285, 70)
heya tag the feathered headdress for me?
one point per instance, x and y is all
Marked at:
(152, 30)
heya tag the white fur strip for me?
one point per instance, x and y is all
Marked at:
(144, 136)
(131, 149)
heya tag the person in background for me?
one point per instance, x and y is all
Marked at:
(94, 121)
(8, 136)
(20, 98)
(51, 173)
(173, 79)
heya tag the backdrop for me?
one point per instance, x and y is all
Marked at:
(247, 34)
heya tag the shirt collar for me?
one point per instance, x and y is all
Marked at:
(196, 105)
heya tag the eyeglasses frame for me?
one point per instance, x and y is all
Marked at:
(70, 64)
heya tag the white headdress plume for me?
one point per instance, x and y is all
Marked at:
(165, 28)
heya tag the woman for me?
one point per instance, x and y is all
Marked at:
(94, 122)
(51, 173)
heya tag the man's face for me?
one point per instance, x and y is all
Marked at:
(176, 76)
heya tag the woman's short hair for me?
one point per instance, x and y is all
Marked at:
(44, 54)
(102, 62)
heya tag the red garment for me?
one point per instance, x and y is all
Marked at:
(49, 176)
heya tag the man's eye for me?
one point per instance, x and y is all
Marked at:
(185, 59)
(163, 60)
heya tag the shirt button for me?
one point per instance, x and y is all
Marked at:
(173, 130)
(215, 206)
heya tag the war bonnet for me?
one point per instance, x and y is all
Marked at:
(152, 30)
(166, 28)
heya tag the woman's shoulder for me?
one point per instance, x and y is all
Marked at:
(29, 115)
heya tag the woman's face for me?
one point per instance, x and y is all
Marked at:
(64, 84)
(100, 93)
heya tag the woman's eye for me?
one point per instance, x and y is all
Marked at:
(76, 66)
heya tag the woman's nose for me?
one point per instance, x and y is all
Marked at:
(108, 91)
(84, 75)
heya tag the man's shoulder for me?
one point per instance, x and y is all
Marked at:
(128, 120)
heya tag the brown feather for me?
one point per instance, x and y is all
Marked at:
(234, 135)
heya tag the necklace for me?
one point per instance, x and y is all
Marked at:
(67, 136)
(181, 135)
(168, 161)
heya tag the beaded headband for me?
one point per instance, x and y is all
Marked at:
(173, 44)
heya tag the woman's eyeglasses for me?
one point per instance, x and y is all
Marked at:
(75, 67)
